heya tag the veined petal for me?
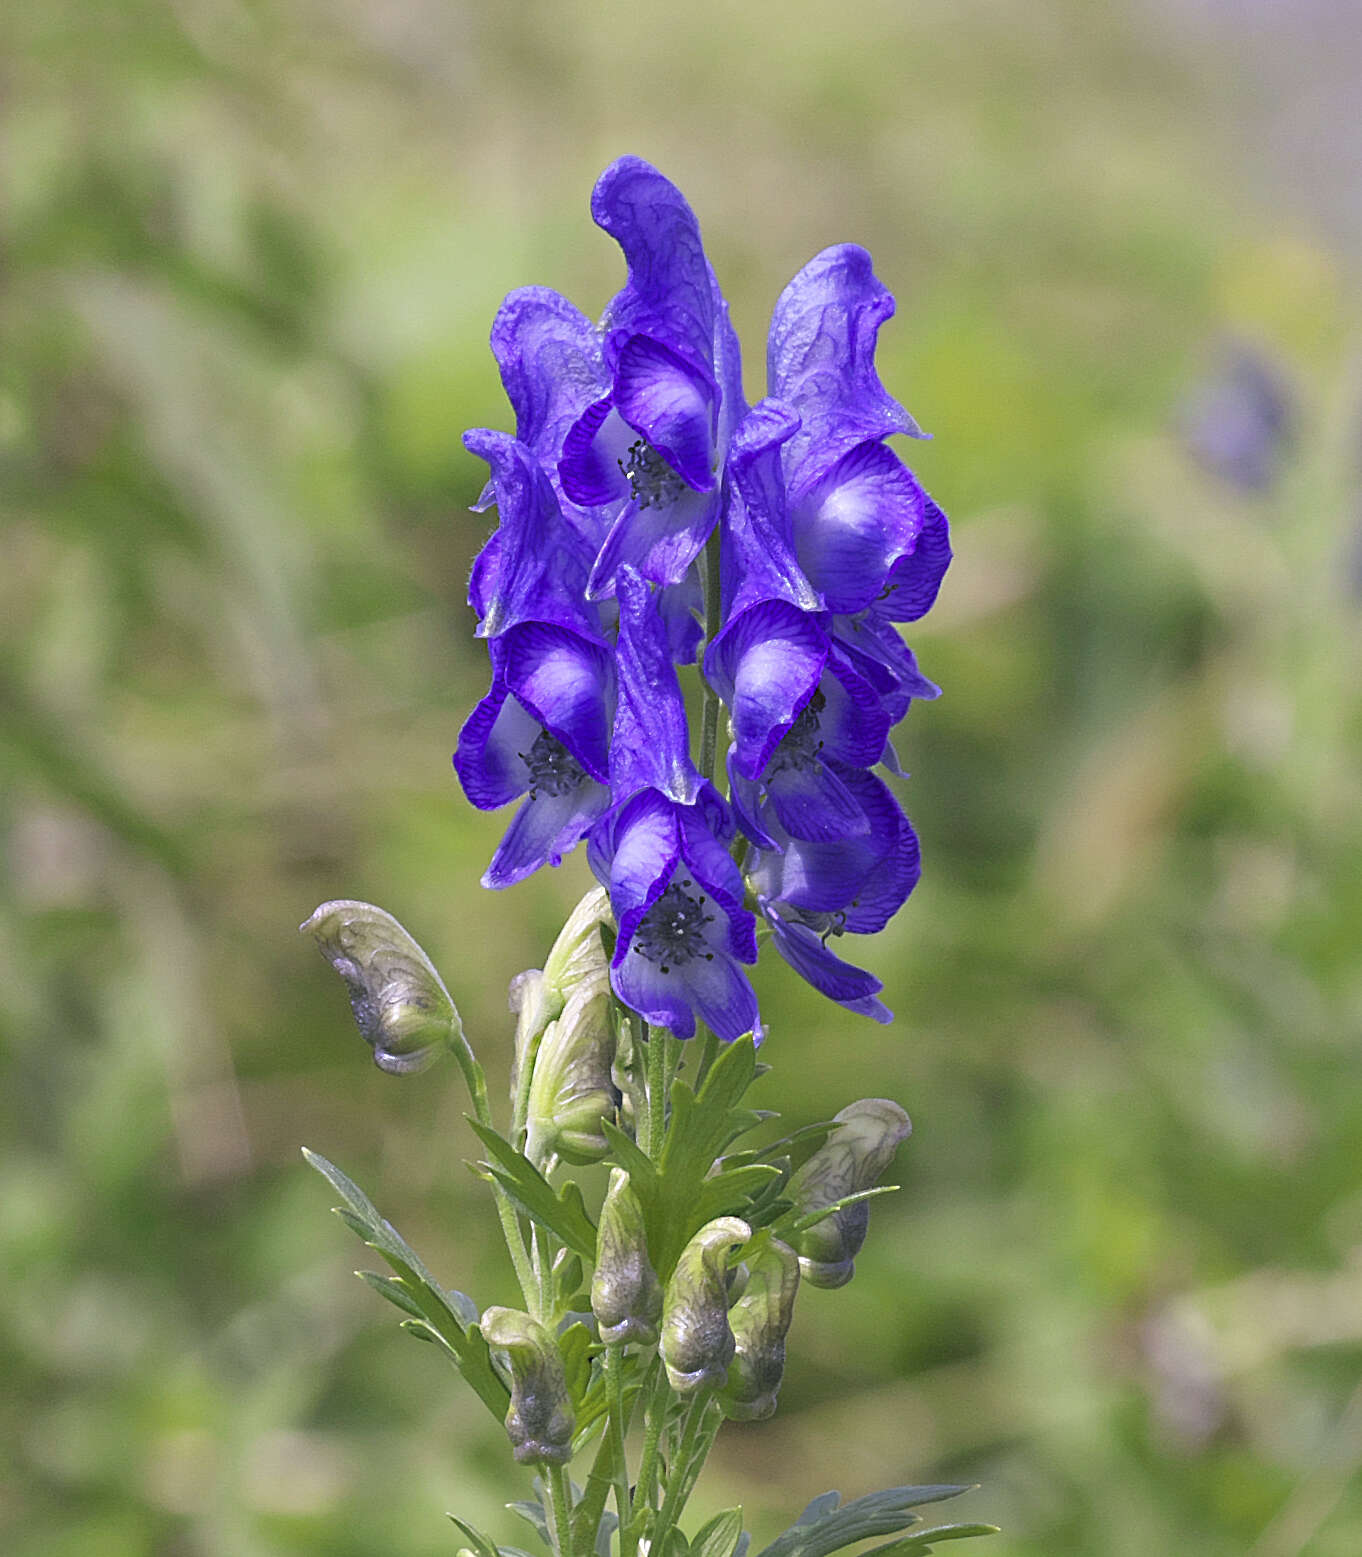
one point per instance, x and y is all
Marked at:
(852, 723)
(854, 522)
(568, 684)
(887, 884)
(595, 448)
(488, 760)
(680, 606)
(543, 830)
(745, 799)
(758, 557)
(811, 802)
(765, 665)
(659, 542)
(914, 581)
(807, 953)
(724, 1000)
(540, 572)
(672, 404)
(651, 745)
(670, 291)
(549, 355)
(821, 357)
(659, 998)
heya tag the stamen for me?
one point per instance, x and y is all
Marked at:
(801, 743)
(673, 930)
(554, 771)
(652, 481)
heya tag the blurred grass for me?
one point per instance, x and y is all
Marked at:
(250, 253)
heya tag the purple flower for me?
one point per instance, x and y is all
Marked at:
(861, 522)
(648, 452)
(632, 442)
(808, 891)
(543, 730)
(677, 897)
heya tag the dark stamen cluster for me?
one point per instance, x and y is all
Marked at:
(652, 481)
(801, 743)
(673, 930)
(553, 769)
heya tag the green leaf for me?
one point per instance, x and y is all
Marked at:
(825, 1527)
(699, 1127)
(719, 1537)
(477, 1540)
(395, 1290)
(922, 1541)
(449, 1314)
(535, 1515)
(563, 1213)
(788, 1227)
(576, 1345)
(732, 1190)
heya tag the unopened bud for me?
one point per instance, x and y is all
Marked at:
(626, 1296)
(850, 1160)
(760, 1320)
(697, 1343)
(571, 1088)
(401, 1006)
(578, 952)
(540, 1421)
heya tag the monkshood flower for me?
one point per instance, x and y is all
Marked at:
(661, 850)
(543, 729)
(864, 530)
(647, 455)
(808, 891)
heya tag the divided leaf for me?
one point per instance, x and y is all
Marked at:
(563, 1212)
(826, 1527)
(451, 1316)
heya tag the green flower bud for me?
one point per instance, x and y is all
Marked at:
(578, 953)
(571, 1089)
(401, 1006)
(760, 1320)
(540, 1421)
(626, 1296)
(850, 1160)
(697, 1343)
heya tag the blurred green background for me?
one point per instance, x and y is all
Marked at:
(249, 253)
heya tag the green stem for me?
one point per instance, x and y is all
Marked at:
(657, 1090)
(709, 716)
(515, 1246)
(654, 1421)
(560, 1506)
(615, 1427)
(543, 1271)
(586, 1517)
(679, 1477)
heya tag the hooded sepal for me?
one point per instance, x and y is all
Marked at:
(540, 1421)
(697, 1343)
(626, 1296)
(849, 1162)
(401, 1006)
(760, 1320)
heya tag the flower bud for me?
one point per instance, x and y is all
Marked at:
(571, 1089)
(626, 1296)
(759, 1321)
(401, 1007)
(697, 1343)
(540, 1421)
(578, 952)
(850, 1160)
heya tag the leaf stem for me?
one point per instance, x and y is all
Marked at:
(560, 1504)
(680, 1479)
(654, 1421)
(657, 1090)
